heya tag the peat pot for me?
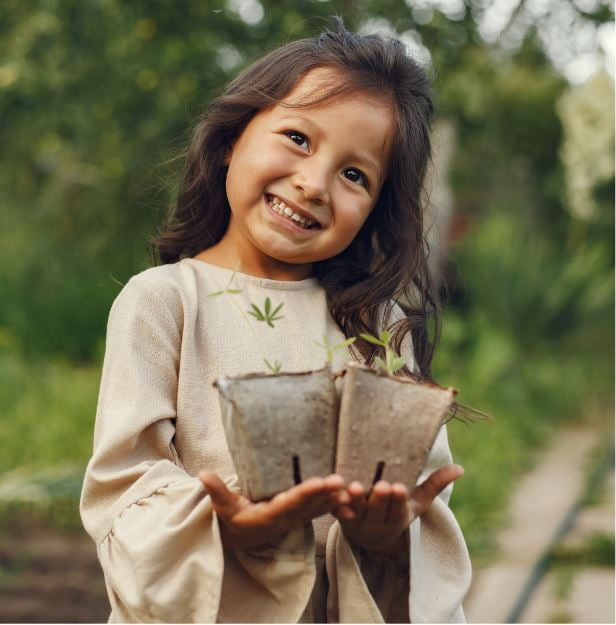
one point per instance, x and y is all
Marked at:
(387, 425)
(280, 428)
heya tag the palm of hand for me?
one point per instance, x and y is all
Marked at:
(378, 521)
(245, 524)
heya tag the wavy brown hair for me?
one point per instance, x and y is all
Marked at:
(387, 260)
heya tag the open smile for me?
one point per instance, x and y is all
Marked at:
(291, 222)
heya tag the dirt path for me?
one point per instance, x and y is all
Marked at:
(541, 503)
(50, 577)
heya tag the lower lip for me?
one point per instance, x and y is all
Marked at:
(287, 224)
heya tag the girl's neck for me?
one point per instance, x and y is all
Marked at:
(267, 267)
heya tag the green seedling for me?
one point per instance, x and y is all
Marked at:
(330, 349)
(392, 361)
(267, 314)
(227, 290)
(274, 367)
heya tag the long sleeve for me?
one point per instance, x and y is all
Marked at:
(156, 533)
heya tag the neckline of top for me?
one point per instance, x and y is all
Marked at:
(245, 278)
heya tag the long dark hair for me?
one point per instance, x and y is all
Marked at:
(387, 260)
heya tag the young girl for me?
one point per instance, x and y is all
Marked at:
(305, 173)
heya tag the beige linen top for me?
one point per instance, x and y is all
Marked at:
(158, 424)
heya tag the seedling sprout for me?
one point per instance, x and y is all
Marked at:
(392, 361)
(267, 314)
(330, 349)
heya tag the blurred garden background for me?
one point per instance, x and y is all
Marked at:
(97, 98)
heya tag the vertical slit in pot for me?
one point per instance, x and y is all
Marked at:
(380, 467)
(297, 474)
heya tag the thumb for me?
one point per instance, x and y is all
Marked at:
(423, 495)
(225, 501)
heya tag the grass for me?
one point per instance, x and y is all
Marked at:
(46, 431)
(596, 550)
(48, 412)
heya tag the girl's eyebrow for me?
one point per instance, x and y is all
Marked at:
(361, 157)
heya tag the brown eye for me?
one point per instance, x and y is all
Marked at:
(298, 138)
(354, 175)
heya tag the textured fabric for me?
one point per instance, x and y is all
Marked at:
(158, 424)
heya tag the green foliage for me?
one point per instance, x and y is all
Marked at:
(529, 290)
(330, 349)
(393, 362)
(530, 344)
(274, 367)
(267, 315)
(596, 550)
(48, 411)
(227, 290)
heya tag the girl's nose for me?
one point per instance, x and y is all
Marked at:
(312, 181)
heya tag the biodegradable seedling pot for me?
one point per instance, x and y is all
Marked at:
(387, 425)
(280, 428)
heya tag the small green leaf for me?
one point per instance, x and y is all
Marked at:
(273, 367)
(227, 289)
(257, 313)
(396, 364)
(372, 339)
(266, 315)
(347, 342)
(277, 309)
(385, 337)
(380, 363)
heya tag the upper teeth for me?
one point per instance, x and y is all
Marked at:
(280, 207)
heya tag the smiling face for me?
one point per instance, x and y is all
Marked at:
(302, 180)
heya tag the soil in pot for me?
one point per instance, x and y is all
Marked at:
(280, 428)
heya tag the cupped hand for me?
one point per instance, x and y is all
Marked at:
(246, 524)
(377, 520)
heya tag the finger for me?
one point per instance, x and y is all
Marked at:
(333, 482)
(344, 513)
(226, 502)
(316, 506)
(343, 497)
(295, 506)
(378, 502)
(358, 499)
(398, 506)
(308, 488)
(332, 495)
(424, 494)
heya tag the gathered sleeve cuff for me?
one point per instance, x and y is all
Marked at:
(163, 559)
(164, 562)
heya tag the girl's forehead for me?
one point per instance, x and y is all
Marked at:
(315, 87)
